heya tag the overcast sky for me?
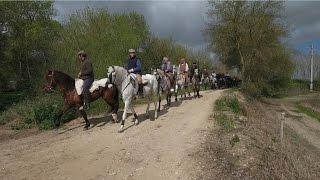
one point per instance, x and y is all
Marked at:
(184, 21)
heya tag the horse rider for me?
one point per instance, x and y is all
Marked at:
(205, 74)
(183, 69)
(194, 70)
(168, 69)
(134, 66)
(87, 75)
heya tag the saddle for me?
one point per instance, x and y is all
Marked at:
(95, 85)
(133, 78)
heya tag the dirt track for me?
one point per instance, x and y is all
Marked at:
(159, 149)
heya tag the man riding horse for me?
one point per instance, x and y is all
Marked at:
(183, 69)
(168, 69)
(87, 75)
(134, 66)
(195, 70)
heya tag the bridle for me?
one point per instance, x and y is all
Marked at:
(51, 81)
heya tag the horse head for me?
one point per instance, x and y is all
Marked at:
(116, 74)
(51, 82)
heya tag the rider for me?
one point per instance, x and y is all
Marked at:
(205, 74)
(194, 70)
(134, 66)
(87, 75)
(184, 68)
(168, 69)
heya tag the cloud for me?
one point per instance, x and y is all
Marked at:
(184, 21)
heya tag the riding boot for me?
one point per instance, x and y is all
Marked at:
(140, 91)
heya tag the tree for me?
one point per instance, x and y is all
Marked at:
(248, 35)
(105, 37)
(31, 29)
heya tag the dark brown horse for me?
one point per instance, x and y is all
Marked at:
(66, 85)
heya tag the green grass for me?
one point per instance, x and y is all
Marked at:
(308, 111)
(224, 121)
(228, 103)
(39, 111)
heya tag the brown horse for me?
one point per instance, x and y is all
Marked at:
(66, 86)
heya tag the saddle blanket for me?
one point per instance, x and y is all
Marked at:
(133, 78)
(95, 85)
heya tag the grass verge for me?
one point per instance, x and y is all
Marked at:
(308, 111)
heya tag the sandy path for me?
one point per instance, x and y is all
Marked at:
(159, 149)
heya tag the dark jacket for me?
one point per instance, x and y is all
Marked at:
(193, 71)
(135, 64)
(167, 66)
(86, 70)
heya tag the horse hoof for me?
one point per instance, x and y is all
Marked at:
(86, 127)
(147, 116)
(136, 122)
(120, 130)
(175, 99)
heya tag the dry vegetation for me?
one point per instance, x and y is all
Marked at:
(251, 149)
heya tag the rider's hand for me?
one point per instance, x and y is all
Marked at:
(130, 70)
(79, 74)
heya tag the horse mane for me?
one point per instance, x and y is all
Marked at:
(64, 80)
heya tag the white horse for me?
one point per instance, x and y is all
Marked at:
(182, 84)
(128, 87)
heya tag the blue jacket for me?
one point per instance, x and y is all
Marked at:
(135, 64)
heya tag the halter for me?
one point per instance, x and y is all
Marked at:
(113, 80)
(51, 81)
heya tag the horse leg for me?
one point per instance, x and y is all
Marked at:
(84, 115)
(136, 122)
(176, 93)
(148, 106)
(155, 107)
(114, 112)
(124, 116)
(159, 103)
(65, 109)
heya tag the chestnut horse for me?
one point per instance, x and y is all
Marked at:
(66, 85)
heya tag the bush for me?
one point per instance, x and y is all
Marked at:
(41, 112)
(228, 103)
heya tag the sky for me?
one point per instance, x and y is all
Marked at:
(184, 21)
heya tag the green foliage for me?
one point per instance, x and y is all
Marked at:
(308, 111)
(27, 43)
(227, 103)
(105, 37)
(247, 34)
(41, 111)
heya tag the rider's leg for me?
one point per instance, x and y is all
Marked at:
(86, 93)
(140, 90)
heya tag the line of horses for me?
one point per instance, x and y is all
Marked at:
(120, 83)
(219, 81)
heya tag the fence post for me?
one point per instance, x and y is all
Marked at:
(281, 128)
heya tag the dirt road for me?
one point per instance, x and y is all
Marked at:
(155, 149)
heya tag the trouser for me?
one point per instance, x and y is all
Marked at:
(86, 93)
(139, 79)
(170, 76)
(186, 75)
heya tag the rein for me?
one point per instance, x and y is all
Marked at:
(51, 81)
(113, 80)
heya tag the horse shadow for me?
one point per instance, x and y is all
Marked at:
(103, 121)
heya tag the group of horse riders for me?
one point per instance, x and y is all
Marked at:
(133, 65)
